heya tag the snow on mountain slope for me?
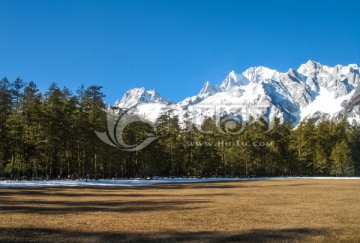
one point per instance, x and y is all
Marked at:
(312, 91)
(151, 111)
(325, 104)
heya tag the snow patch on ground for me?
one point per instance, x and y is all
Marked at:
(143, 182)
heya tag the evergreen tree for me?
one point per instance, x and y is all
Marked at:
(303, 142)
(94, 107)
(31, 110)
(16, 166)
(5, 112)
(279, 139)
(354, 138)
(324, 143)
(343, 162)
(170, 150)
(53, 132)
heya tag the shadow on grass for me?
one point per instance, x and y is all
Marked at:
(65, 207)
(105, 199)
(62, 235)
(115, 191)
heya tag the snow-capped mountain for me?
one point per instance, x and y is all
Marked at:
(313, 91)
(139, 96)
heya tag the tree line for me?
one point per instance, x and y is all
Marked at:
(51, 136)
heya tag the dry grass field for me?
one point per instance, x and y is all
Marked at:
(245, 211)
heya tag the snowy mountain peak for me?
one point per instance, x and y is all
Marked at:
(309, 67)
(255, 74)
(137, 96)
(233, 75)
(208, 90)
(293, 72)
(353, 66)
(312, 63)
(233, 80)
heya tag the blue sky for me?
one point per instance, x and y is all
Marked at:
(173, 46)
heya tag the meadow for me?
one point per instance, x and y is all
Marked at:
(305, 210)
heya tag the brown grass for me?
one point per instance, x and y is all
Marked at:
(247, 211)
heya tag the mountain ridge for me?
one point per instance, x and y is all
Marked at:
(312, 91)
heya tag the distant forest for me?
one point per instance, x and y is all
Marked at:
(51, 136)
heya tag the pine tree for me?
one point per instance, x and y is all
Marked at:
(169, 147)
(53, 132)
(279, 139)
(324, 143)
(16, 165)
(207, 156)
(354, 138)
(31, 109)
(5, 112)
(94, 107)
(303, 141)
(343, 162)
